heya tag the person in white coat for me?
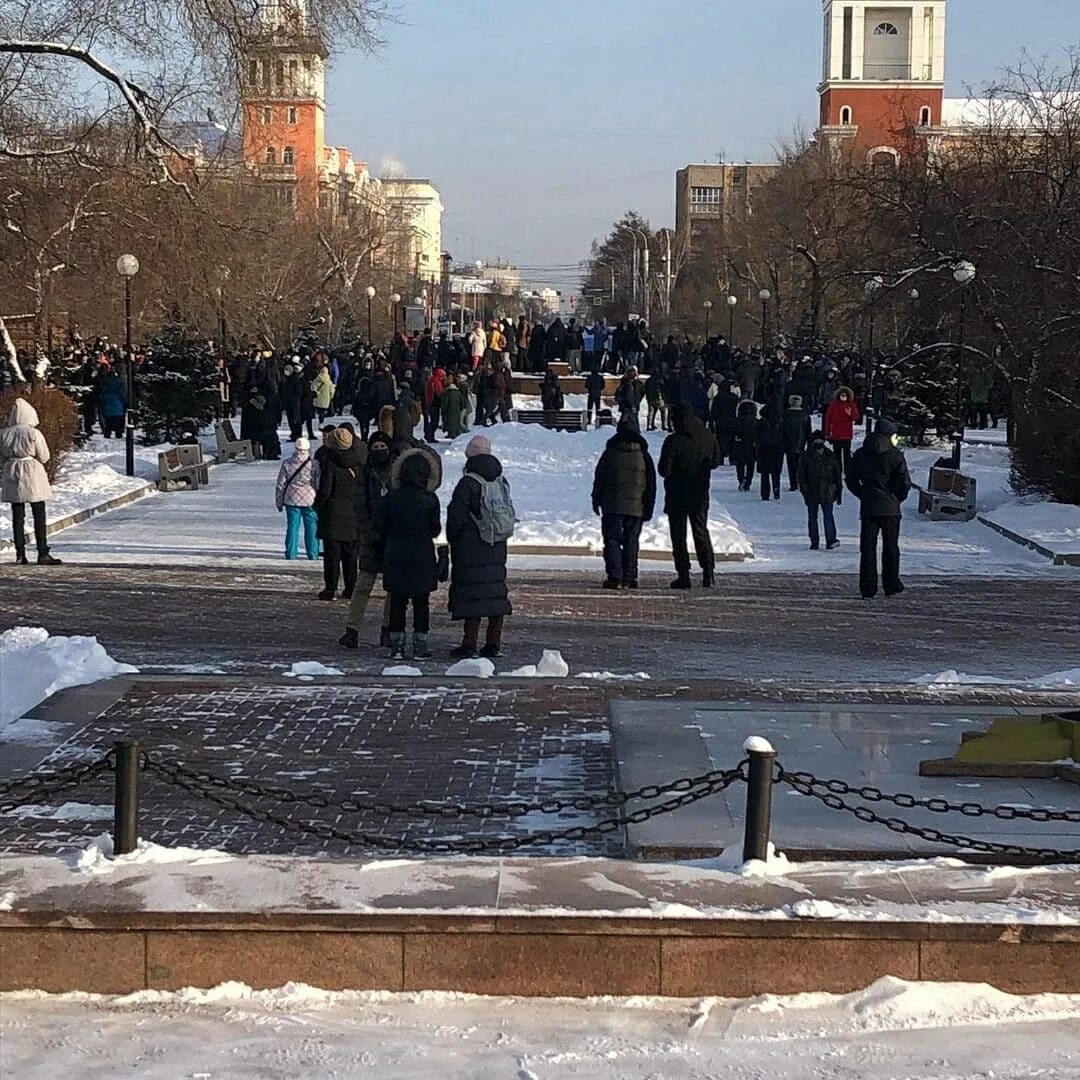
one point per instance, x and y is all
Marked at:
(24, 454)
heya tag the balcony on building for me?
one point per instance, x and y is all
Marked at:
(277, 171)
(887, 72)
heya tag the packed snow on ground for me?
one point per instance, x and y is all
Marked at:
(69, 811)
(92, 475)
(309, 669)
(1055, 526)
(98, 857)
(891, 1029)
(1055, 680)
(34, 666)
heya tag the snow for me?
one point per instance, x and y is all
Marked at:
(474, 668)
(308, 669)
(98, 858)
(69, 811)
(892, 1028)
(1055, 526)
(756, 744)
(1053, 681)
(611, 676)
(403, 671)
(34, 666)
(551, 666)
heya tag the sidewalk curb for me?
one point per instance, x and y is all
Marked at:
(1057, 558)
(79, 516)
(583, 551)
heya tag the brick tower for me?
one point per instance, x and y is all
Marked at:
(284, 104)
(884, 74)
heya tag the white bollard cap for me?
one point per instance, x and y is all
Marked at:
(757, 744)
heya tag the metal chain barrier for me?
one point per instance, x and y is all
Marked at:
(216, 793)
(30, 789)
(808, 785)
(426, 810)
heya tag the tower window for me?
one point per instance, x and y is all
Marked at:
(886, 28)
(292, 114)
(279, 72)
(271, 156)
(267, 114)
(253, 71)
(287, 156)
(924, 116)
(294, 69)
(845, 116)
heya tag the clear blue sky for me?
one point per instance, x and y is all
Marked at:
(541, 121)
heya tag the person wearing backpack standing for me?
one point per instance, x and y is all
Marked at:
(479, 521)
(295, 494)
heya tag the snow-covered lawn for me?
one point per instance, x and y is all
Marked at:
(1056, 526)
(891, 1029)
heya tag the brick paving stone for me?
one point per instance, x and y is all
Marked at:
(401, 745)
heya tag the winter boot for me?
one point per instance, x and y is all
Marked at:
(491, 651)
(421, 650)
(465, 651)
(48, 560)
(708, 579)
(397, 646)
(832, 546)
(21, 559)
(611, 583)
(350, 639)
(681, 583)
(327, 596)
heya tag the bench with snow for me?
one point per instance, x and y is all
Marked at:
(564, 420)
(948, 495)
(605, 418)
(183, 466)
(229, 447)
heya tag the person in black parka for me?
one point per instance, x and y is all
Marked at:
(722, 415)
(409, 519)
(745, 444)
(478, 588)
(796, 425)
(770, 450)
(878, 477)
(339, 469)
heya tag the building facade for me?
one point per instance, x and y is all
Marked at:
(415, 213)
(710, 199)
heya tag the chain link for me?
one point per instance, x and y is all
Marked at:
(936, 805)
(426, 810)
(863, 813)
(40, 785)
(464, 845)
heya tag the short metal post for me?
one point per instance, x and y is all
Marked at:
(126, 798)
(758, 798)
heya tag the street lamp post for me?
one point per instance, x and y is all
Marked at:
(871, 289)
(732, 304)
(225, 275)
(913, 296)
(764, 296)
(127, 266)
(369, 292)
(964, 273)
(395, 299)
(708, 312)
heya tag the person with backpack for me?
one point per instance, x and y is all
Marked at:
(820, 480)
(624, 495)
(295, 494)
(409, 519)
(479, 522)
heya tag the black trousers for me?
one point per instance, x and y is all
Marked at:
(888, 528)
(770, 479)
(592, 407)
(744, 472)
(421, 613)
(699, 527)
(622, 538)
(431, 420)
(792, 457)
(18, 527)
(339, 559)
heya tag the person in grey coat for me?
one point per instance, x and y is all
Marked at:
(24, 453)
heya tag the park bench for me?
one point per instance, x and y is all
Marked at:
(948, 495)
(182, 466)
(605, 418)
(229, 447)
(563, 420)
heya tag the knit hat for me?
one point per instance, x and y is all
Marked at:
(885, 427)
(339, 439)
(794, 402)
(478, 445)
(630, 422)
(303, 445)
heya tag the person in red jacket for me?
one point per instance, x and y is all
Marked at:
(434, 388)
(840, 419)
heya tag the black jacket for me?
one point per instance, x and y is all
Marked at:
(770, 438)
(819, 477)
(687, 460)
(478, 570)
(878, 477)
(339, 472)
(628, 396)
(551, 395)
(796, 427)
(408, 520)
(625, 478)
(595, 384)
(722, 414)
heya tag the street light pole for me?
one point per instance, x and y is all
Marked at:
(964, 274)
(732, 303)
(395, 299)
(764, 296)
(127, 266)
(871, 289)
(708, 311)
(369, 292)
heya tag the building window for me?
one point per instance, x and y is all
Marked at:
(279, 72)
(271, 156)
(706, 200)
(924, 116)
(253, 72)
(267, 114)
(849, 31)
(738, 176)
(845, 116)
(886, 28)
(884, 161)
(287, 156)
(292, 114)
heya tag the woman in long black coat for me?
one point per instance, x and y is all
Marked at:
(478, 587)
(339, 471)
(409, 519)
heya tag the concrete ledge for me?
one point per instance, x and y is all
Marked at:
(537, 957)
(79, 516)
(582, 551)
(1057, 558)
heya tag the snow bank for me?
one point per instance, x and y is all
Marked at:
(611, 676)
(551, 666)
(401, 671)
(98, 857)
(33, 666)
(309, 669)
(475, 668)
(551, 474)
(1053, 525)
(1056, 679)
